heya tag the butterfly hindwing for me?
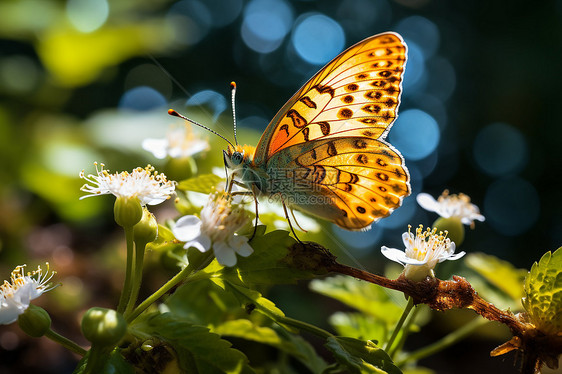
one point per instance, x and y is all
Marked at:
(357, 94)
(354, 180)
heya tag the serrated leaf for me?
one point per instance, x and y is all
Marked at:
(198, 349)
(291, 344)
(543, 293)
(264, 266)
(115, 364)
(500, 273)
(366, 297)
(205, 183)
(360, 356)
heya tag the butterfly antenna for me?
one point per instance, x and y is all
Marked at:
(176, 114)
(233, 91)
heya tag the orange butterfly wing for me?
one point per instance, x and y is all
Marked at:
(356, 94)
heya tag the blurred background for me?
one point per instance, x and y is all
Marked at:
(88, 80)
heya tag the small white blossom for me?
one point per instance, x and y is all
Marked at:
(146, 184)
(179, 143)
(453, 205)
(423, 252)
(216, 229)
(16, 295)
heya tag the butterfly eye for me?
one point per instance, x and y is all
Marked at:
(237, 158)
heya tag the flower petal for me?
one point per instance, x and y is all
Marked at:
(157, 147)
(241, 246)
(394, 254)
(187, 228)
(225, 255)
(427, 202)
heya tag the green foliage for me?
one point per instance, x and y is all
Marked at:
(116, 364)
(366, 297)
(360, 356)
(198, 349)
(291, 344)
(204, 183)
(359, 326)
(543, 293)
(501, 280)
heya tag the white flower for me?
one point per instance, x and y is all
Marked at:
(447, 206)
(16, 295)
(179, 143)
(147, 185)
(423, 251)
(216, 229)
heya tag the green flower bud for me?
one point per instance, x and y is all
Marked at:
(35, 321)
(181, 168)
(454, 228)
(147, 229)
(127, 211)
(104, 327)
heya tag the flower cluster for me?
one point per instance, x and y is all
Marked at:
(16, 295)
(146, 185)
(216, 228)
(424, 251)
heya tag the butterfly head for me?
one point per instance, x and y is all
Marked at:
(235, 156)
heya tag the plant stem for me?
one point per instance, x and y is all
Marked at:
(126, 291)
(183, 274)
(137, 276)
(398, 327)
(304, 326)
(65, 342)
(405, 331)
(444, 342)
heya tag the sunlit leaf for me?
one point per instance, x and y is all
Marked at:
(359, 326)
(363, 296)
(360, 356)
(203, 183)
(501, 274)
(543, 293)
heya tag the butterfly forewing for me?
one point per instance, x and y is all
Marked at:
(324, 152)
(357, 94)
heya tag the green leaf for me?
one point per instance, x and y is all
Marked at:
(198, 349)
(500, 273)
(369, 298)
(202, 302)
(359, 326)
(291, 344)
(247, 296)
(205, 183)
(116, 364)
(543, 293)
(265, 265)
(360, 356)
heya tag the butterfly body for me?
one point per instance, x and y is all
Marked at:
(324, 152)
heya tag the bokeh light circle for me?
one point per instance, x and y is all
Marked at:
(190, 21)
(511, 206)
(142, 98)
(359, 240)
(415, 74)
(401, 216)
(266, 23)
(422, 31)
(317, 38)
(500, 149)
(415, 134)
(86, 15)
(212, 99)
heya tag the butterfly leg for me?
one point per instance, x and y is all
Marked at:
(289, 221)
(249, 193)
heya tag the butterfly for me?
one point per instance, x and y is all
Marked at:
(325, 152)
